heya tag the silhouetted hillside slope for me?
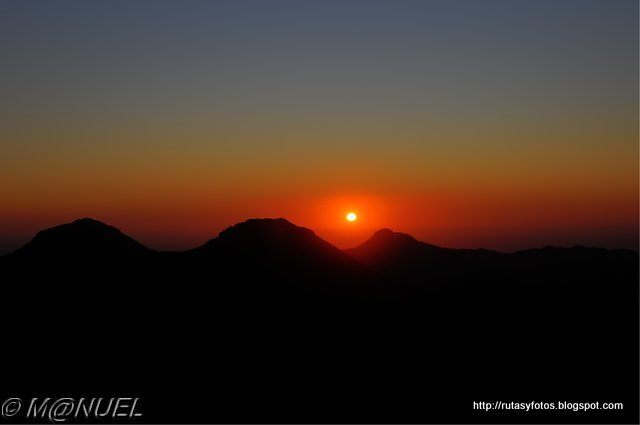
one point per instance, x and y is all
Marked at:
(272, 264)
(537, 274)
(83, 239)
(401, 254)
(268, 323)
(272, 244)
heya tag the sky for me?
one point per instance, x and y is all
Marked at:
(467, 123)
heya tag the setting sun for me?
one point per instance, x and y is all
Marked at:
(352, 216)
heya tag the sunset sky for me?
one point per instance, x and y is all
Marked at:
(497, 124)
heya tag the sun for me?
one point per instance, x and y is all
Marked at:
(351, 216)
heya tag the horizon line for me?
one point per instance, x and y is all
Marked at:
(637, 250)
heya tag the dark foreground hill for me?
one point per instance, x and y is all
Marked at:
(270, 323)
(277, 250)
(84, 239)
(548, 274)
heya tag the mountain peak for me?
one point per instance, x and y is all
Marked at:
(388, 246)
(83, 238)
(385, 239)
(386, 234)
(87, 221)
(274, 243)
(273, 228)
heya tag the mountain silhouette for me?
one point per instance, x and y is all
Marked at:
(549, 272)
(274, 241)
(388, 249)
(280, 326)
(429, 270)
(278, 259)
(83, 239)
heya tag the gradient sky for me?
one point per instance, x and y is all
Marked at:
(498, 124)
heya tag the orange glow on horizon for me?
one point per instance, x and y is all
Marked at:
(496, 219)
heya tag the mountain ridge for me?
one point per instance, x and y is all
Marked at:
(277, 226)
(82, 238)
(267, 301)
